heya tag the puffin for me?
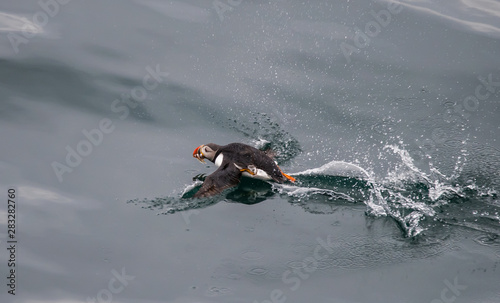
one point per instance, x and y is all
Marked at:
(233, 161)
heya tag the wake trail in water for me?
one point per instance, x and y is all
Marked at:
(375, 196)
(416, 200)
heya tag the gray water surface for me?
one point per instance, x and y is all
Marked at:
(386, 111)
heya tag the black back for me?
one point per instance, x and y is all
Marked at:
(244, 155)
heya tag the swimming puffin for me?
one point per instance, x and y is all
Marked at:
(235, 160)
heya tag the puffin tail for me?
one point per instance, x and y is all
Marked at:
(290, 178)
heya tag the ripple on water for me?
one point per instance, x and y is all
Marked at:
(454, 143)
(251, 255)
(274, 274)
(488, 240)
(295, 264)
(217, 291)
(257, 271)
(344, 263)
(323, 264)
(233, 276)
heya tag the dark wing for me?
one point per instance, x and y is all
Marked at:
(246, 155)
(226, 176)
(262, 160)
(270, 153)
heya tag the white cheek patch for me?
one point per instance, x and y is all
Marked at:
(219, 159)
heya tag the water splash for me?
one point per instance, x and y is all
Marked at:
(266, 133)
(416, 200)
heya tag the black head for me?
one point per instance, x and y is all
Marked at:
(206, 151)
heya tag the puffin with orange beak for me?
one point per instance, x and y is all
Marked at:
(235, 160)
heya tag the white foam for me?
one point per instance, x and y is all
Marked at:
(191, 187)
(337, 168)
(260, 143)
(297, 191)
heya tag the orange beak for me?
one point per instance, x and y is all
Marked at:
(198, 154)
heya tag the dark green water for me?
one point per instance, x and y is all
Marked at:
(386, 112)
